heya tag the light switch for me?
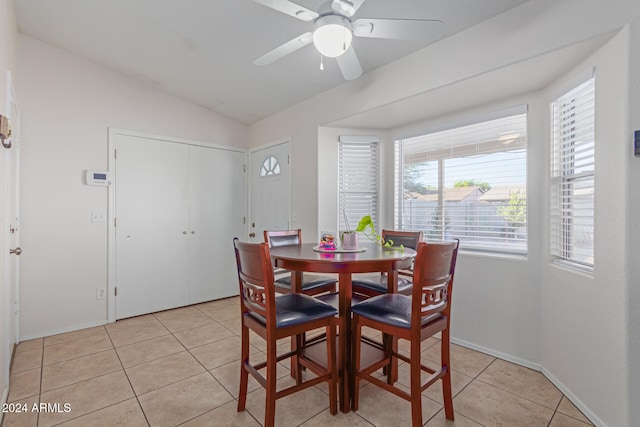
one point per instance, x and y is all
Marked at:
(97, 217)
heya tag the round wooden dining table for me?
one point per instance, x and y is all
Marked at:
(370, 258)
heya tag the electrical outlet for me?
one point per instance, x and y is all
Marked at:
(101, 293)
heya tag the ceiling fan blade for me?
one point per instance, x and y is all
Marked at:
(349, 64)
(347, 8)
(404, 29)
(285, 49)
(290, 8)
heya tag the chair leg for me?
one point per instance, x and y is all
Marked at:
(244, 374)
(270, 388)
(331, 357)
(446, 379)
(299, 342)
(357, 348)
(416, 382)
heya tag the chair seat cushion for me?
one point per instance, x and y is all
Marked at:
(295, 309)
(391, 309)
(378, 283)
(309, 281)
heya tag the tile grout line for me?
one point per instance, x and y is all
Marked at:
(144, 414)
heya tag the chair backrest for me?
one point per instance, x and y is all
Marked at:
(408, 239)
(255, 277)
(433, 272)
(283, 238)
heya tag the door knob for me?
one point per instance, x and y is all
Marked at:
(252, 234)
(16, 251)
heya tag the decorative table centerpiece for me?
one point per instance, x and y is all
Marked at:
(349, 238)
(366, 227)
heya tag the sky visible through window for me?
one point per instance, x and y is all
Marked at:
(468, 168)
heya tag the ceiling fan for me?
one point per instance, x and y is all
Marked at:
(334, 29)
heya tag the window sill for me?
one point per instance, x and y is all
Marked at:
(497, 255)
(572, 267)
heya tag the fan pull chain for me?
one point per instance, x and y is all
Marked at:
(321, 63)
(344, 39)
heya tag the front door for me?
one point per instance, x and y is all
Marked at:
(270, 190)
(9, 223)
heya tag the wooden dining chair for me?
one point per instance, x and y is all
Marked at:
(414, 318)
(274, 317)
(372, 285)
(311, 284)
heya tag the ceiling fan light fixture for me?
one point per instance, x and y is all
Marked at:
(332, 36)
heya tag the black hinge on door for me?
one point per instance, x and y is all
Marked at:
(115, 291)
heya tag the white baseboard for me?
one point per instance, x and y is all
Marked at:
(62, 330)
(577, 402)
(536, 367)
(499, 355)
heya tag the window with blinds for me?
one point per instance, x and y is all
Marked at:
(573, 177)
(358, 181)
(468, 182)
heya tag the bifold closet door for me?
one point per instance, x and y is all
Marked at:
(216, 211)
(152, 240)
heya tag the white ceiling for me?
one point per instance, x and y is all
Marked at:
(203, 50)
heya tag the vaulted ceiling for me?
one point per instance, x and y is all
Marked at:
(203, 50)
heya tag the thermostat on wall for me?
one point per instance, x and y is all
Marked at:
(100, 178)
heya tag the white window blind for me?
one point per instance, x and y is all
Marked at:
(358, 180)
(468, 182)
(573, 177)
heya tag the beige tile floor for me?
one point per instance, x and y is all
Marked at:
(180, 367)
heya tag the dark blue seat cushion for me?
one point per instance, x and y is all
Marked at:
(295, 309)
(378, 283)
(309, 281)
(391, 309)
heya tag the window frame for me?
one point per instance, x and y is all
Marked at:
(567, 169)
(518, 244)
(374, 180)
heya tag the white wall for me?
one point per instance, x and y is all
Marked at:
(67, 106)
(633, 231)
(584, 317)
(537, 319)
